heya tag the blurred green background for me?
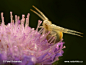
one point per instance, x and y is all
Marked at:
(69, 14)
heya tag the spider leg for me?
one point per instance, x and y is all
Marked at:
(40, 12)
(64, 30)
(73, 34)
(72, 31)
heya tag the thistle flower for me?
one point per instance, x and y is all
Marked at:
(19, 42)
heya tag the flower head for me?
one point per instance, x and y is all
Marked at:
(19, 42)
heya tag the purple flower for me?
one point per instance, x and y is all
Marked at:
(19, 42)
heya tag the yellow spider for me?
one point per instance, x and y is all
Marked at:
(55, 30)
